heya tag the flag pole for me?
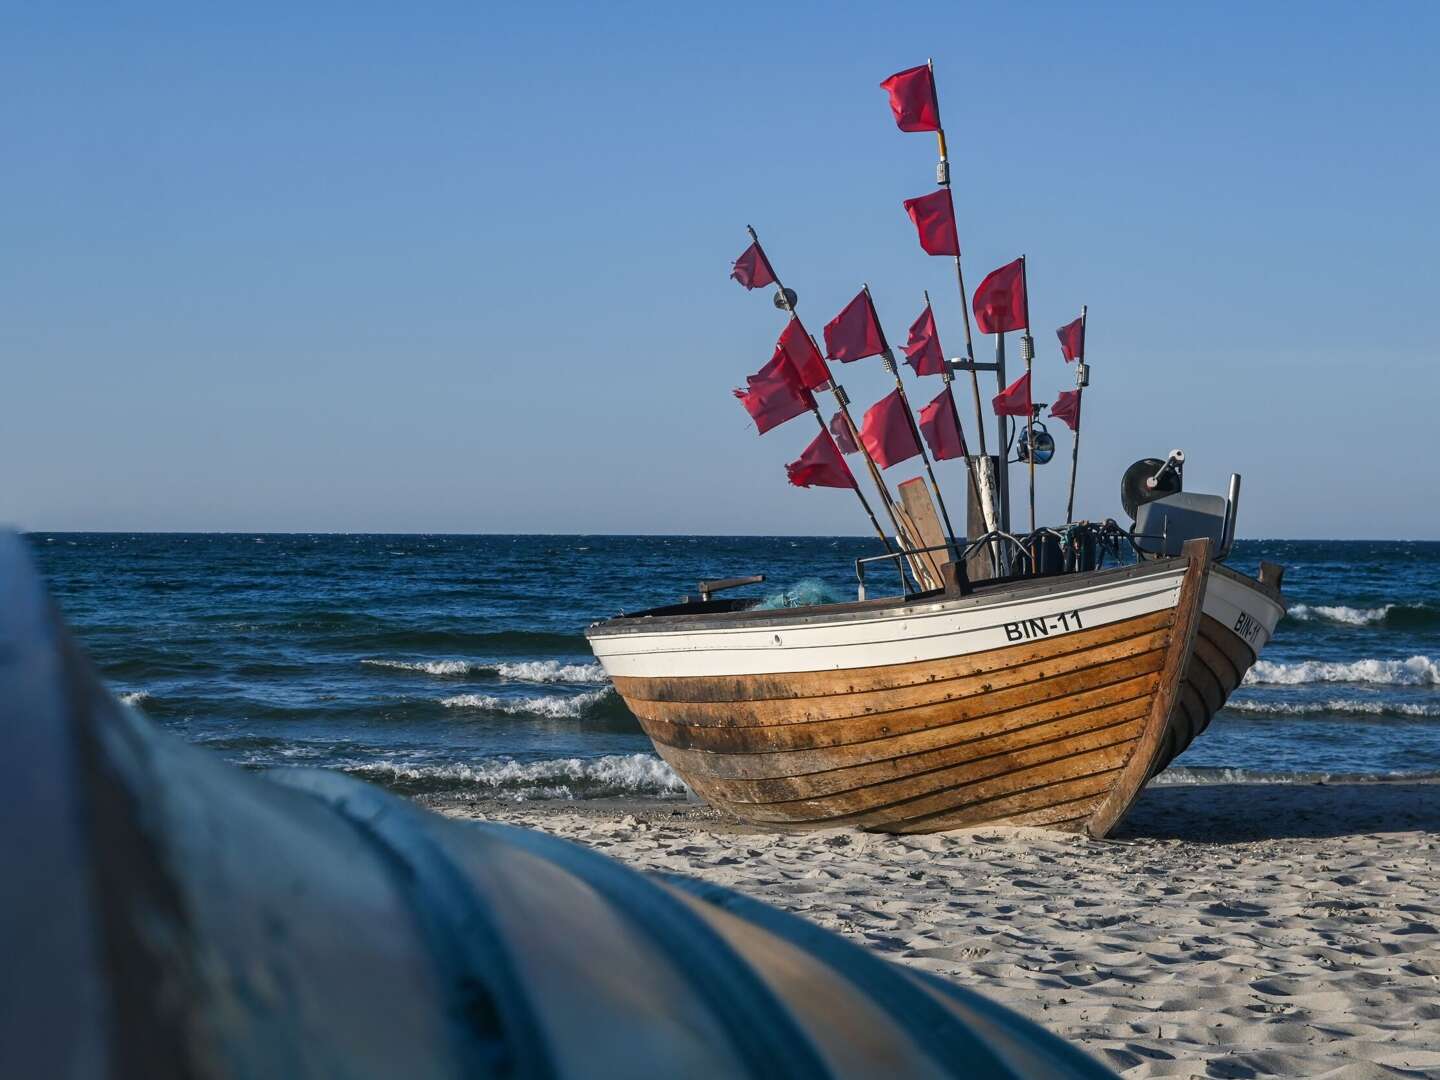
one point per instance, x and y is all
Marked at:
(1002, 452)
(1081, 378)
(1027, 350)
(942, 177)
(948, 378)
(783, 298)
(887, 357)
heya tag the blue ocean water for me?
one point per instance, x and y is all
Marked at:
(455, 665)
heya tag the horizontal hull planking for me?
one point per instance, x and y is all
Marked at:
(1047, 703)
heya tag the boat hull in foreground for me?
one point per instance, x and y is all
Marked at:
(1048, 703)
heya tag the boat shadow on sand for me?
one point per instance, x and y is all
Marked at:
(1237, 813)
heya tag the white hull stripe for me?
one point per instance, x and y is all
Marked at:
(1246, 612)
(934, 634)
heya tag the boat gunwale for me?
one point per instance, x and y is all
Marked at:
(880, 609)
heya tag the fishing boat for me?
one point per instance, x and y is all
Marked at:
(1044, 702)
(1012, 678)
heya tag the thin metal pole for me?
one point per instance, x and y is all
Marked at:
(1079, 400)
(942, 176)
(864, 502)
(844, 403)
(888, 358)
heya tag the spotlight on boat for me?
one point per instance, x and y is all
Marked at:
(786, 302)
(1040, 444)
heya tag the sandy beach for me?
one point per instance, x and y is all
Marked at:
(1224, 931)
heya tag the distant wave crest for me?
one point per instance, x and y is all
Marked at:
(559, 778)
(540, 671)
(1391, 616)
(549, 706)
(1416, 671)
(1339, 613)
(1337, 707)
(1179, 775)
(135, 697)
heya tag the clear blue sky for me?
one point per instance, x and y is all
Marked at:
(462, 266)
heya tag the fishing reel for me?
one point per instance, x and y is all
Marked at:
(1034, 442)
(1150, 479)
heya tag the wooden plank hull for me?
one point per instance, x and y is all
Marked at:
(1046, 704)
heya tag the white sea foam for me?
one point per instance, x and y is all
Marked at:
(541, 671)
(550, 706)
(1336, 706)
(1416, 671)
(558, 778)
(135, 697)
(1339, 613)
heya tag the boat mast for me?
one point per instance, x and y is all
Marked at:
(1082, 377)
(782, 297)
(887, 357)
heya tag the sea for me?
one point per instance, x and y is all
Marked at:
(456, 667)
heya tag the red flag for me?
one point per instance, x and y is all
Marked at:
(886, 431)
(1072, 340)
(923, 347)
(1067, 408)
(820, 465)
(804, 357)
(855, 333)
(1014, 400)
(1000, 303)
(752, 268)
(912, 99)
(774, 394)
(843, 439)
(934, 218)
(940, 425)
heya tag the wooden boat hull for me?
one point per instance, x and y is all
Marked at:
(1049, 703)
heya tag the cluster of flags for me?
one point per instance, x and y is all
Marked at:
(783, 388)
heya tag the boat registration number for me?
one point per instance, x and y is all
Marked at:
(1029, 629)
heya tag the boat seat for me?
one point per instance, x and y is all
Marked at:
(1163, 525)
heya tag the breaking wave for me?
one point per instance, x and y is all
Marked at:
(541, 671)
(135, 697)
(1416, 671)
(561, 778)
(1337, 707)
(597, 704)
(1349, 616)
(1391, 616)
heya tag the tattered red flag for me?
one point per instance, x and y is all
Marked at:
(774, 394)
(922, 349)
(934, 218)
(1014, 400)
(820, 465)
(752, 268)
(1072, 340)
(804, 357)
(886, 431)
(1000, 303)
(1067, 408)
(855, 333)
(912, 99)
(940, 424)
(841, 430)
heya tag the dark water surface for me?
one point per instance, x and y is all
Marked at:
(455, 664)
